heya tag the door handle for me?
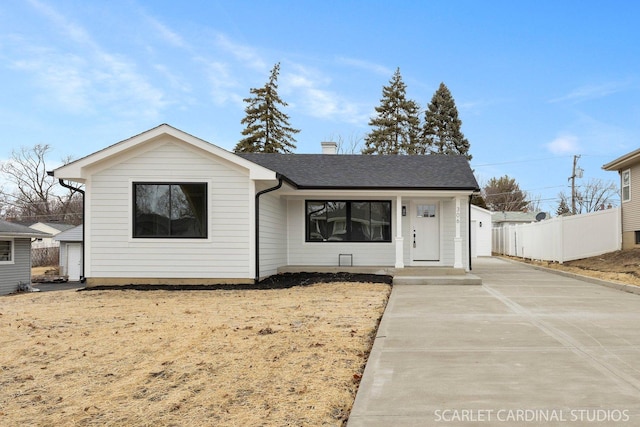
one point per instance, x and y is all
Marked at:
(414, 238)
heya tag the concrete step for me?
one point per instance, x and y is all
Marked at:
(466, 279)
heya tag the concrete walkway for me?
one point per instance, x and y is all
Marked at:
(527, 348)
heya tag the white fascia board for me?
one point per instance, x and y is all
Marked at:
(344, 193)
(78, 170)
(623, 162)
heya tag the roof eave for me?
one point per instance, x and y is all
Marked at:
(25, 235)
(384, 188)
(623, 161)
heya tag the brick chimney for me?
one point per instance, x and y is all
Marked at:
(329, 147)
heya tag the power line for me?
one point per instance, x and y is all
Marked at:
(519, 161)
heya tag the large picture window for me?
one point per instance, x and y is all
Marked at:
(170, 210)
(348, 221)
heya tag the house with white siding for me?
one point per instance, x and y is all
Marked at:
(52, 229)
(15, 255)
(168, 207)
(628, 168)
(70, 256)
(481, 236)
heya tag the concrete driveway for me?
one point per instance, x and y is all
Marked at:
(527, 348)
(48, 287)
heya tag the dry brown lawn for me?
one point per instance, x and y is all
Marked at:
(286, 357)
(620, 266)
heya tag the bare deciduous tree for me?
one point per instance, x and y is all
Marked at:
(353, 145)
(595, 195)
(35, 195)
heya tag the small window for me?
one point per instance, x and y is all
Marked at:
(637, 237)
(170, 210)
(626, 185)
(348, 221)
(6, 251)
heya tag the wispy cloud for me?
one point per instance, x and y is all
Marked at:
(564, 144)
(69, 29)
(166, 33)
(245, 54)
(317, 102)
(60, 76)
(592, 91)
(90, 76)
(365, 65)
(224, 86)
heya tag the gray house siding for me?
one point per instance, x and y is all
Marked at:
(19, 270)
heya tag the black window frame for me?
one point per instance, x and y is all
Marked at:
(349, 233)
(205, 214)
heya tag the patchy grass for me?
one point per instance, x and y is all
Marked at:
(164, 358)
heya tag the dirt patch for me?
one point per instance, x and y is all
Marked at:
(277, 281)
(260, 357)
(620, 266)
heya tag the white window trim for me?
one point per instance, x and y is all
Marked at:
(622, 186)
(13, 255)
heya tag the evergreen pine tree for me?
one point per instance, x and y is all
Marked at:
(267, 128)
(397, 124)
(563, 208)
(441, 131)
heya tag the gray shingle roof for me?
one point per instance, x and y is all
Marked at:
(72, 235)
(10, 229)
(59, 226)
(325, 171)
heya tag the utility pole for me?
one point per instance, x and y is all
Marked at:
(577, 172)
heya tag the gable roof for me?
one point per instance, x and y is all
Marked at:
(72, 235)
(77, 170)
(623, 162)
(60, 226)
(308, 171)
(10, 229)
(339, 171)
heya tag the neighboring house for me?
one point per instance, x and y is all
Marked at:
(480, 232)
(15, 255)
(71, 253)
(503, 219)
(167, 207)
(51, 228)
(628, 168)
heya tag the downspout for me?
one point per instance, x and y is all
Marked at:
(469, 231)
(257, 231)
(70, 187)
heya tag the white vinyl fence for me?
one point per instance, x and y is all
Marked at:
(562, 238)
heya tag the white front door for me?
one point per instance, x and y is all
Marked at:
(74, 259)
(426, 231)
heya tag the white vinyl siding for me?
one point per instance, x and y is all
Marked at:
(326, 253)
(273, 232)
(448, 230)
(19, 270)
(631, 208)
(224, 254)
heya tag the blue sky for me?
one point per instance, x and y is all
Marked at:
(535, 82)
